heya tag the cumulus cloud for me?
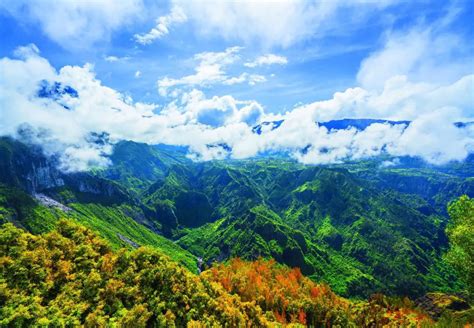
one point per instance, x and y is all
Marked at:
(215, 111)
(210, 70)
(163, 24)
(75, 24)
(422, 53)
(281, 23)
(399, 99)
(434, 137)
(79, 119)
(268, 59)
(64, 124)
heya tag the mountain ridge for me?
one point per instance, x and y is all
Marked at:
(338, 223)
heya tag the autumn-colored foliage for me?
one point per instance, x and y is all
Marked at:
(379, 311)
(284, 294)
(71, 277)
(289, 298)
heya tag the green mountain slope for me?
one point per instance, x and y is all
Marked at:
(136, 165)
(360, 227)
(330, 223)
(34, 195)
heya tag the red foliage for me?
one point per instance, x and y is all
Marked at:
(302, 317)
(226, 283)
(285, 292)
(280, 317)
(315, 292)
(293, 298)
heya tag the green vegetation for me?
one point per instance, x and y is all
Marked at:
(115, 223)
(19, 207)
(137, 166)
(334, 226)
(461, 237)
(71, 277)
(360, 228)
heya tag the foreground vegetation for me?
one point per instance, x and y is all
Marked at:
(71, 277)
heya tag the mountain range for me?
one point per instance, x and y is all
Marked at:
(361, 227)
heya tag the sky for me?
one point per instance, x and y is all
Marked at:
(202, 74)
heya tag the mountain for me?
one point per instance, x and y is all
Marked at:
(137, 165)
(360, 227)
(436, 185)
(331, 224)
(359, 124)
(343, 124)
(34, 194)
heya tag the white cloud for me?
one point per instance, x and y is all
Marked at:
(268, 59)
(210, 70)
(423, 53)
(75, 24)
(163, 24)
(220, 127)
(252, 79)
(256, 78)
(279, 23)
(434, 137)
(27, 51)
(399, 99)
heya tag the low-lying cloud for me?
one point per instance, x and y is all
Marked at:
(80, 127)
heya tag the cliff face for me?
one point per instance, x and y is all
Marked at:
(27, 168)
(43, 177)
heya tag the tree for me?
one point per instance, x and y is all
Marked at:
(460, 232)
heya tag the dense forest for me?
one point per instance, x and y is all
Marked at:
(158, 240)
(70, 277)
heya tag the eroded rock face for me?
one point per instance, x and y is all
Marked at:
(26, 167)
(42, 177)
(49, 202)
(91, 185)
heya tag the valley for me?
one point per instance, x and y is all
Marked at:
(359, 228)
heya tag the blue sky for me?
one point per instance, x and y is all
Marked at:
(320, 64)
(203, 73)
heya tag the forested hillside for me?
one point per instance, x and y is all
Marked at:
(358, 229)
(70, 277)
